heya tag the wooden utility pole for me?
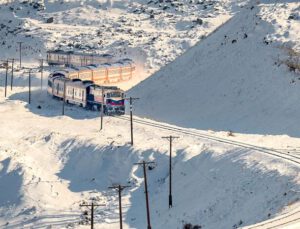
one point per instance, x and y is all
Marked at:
(29, 84)
(64, 98)
(144, 163)
(120, 188)
(6, 75)
(170, 139)
(93, 206)
(12, 73)
(131, 99)
(102, 109)
(20, 52)
(42, 71)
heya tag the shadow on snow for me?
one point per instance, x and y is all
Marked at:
(215, 191)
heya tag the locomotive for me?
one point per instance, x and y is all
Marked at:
(87, 94)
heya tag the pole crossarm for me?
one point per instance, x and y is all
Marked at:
(30, 70)
(93, 206)
(90, 205)
(121, 187)
(144, 162)
(170, 137)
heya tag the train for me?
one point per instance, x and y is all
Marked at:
(87, 94)
(102, 73)
(71, 58)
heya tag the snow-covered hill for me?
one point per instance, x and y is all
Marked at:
(236, 79)
(50, 164)
(153, 33)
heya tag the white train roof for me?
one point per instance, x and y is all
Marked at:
(108, 56)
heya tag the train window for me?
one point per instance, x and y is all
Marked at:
(49, 83)
(114, 94)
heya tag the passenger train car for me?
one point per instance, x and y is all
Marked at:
(70, 58)
(87, 94)
(103, 73)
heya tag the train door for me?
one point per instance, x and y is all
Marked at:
(57, 88)
(82, 95)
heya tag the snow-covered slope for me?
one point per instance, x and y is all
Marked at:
(49, 164)
(236, 79)
(153, 33)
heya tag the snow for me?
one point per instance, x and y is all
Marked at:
(124, 30)
(234, 80)
(50, 164)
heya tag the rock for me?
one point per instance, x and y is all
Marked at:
(50, 20)
(199, 21)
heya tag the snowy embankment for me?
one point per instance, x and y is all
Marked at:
(50, 164)
(236, 79)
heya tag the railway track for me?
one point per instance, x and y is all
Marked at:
(279, 222)
(283, 154)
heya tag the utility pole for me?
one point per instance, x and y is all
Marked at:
(102, 108)
(131, 99)
(64, 98)
(144, 163)
(12, 73)
(29, 84)
(93, 206)
(20, 51)
(120, 188)
(6, 73)
(170, 139)
(42, 71)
